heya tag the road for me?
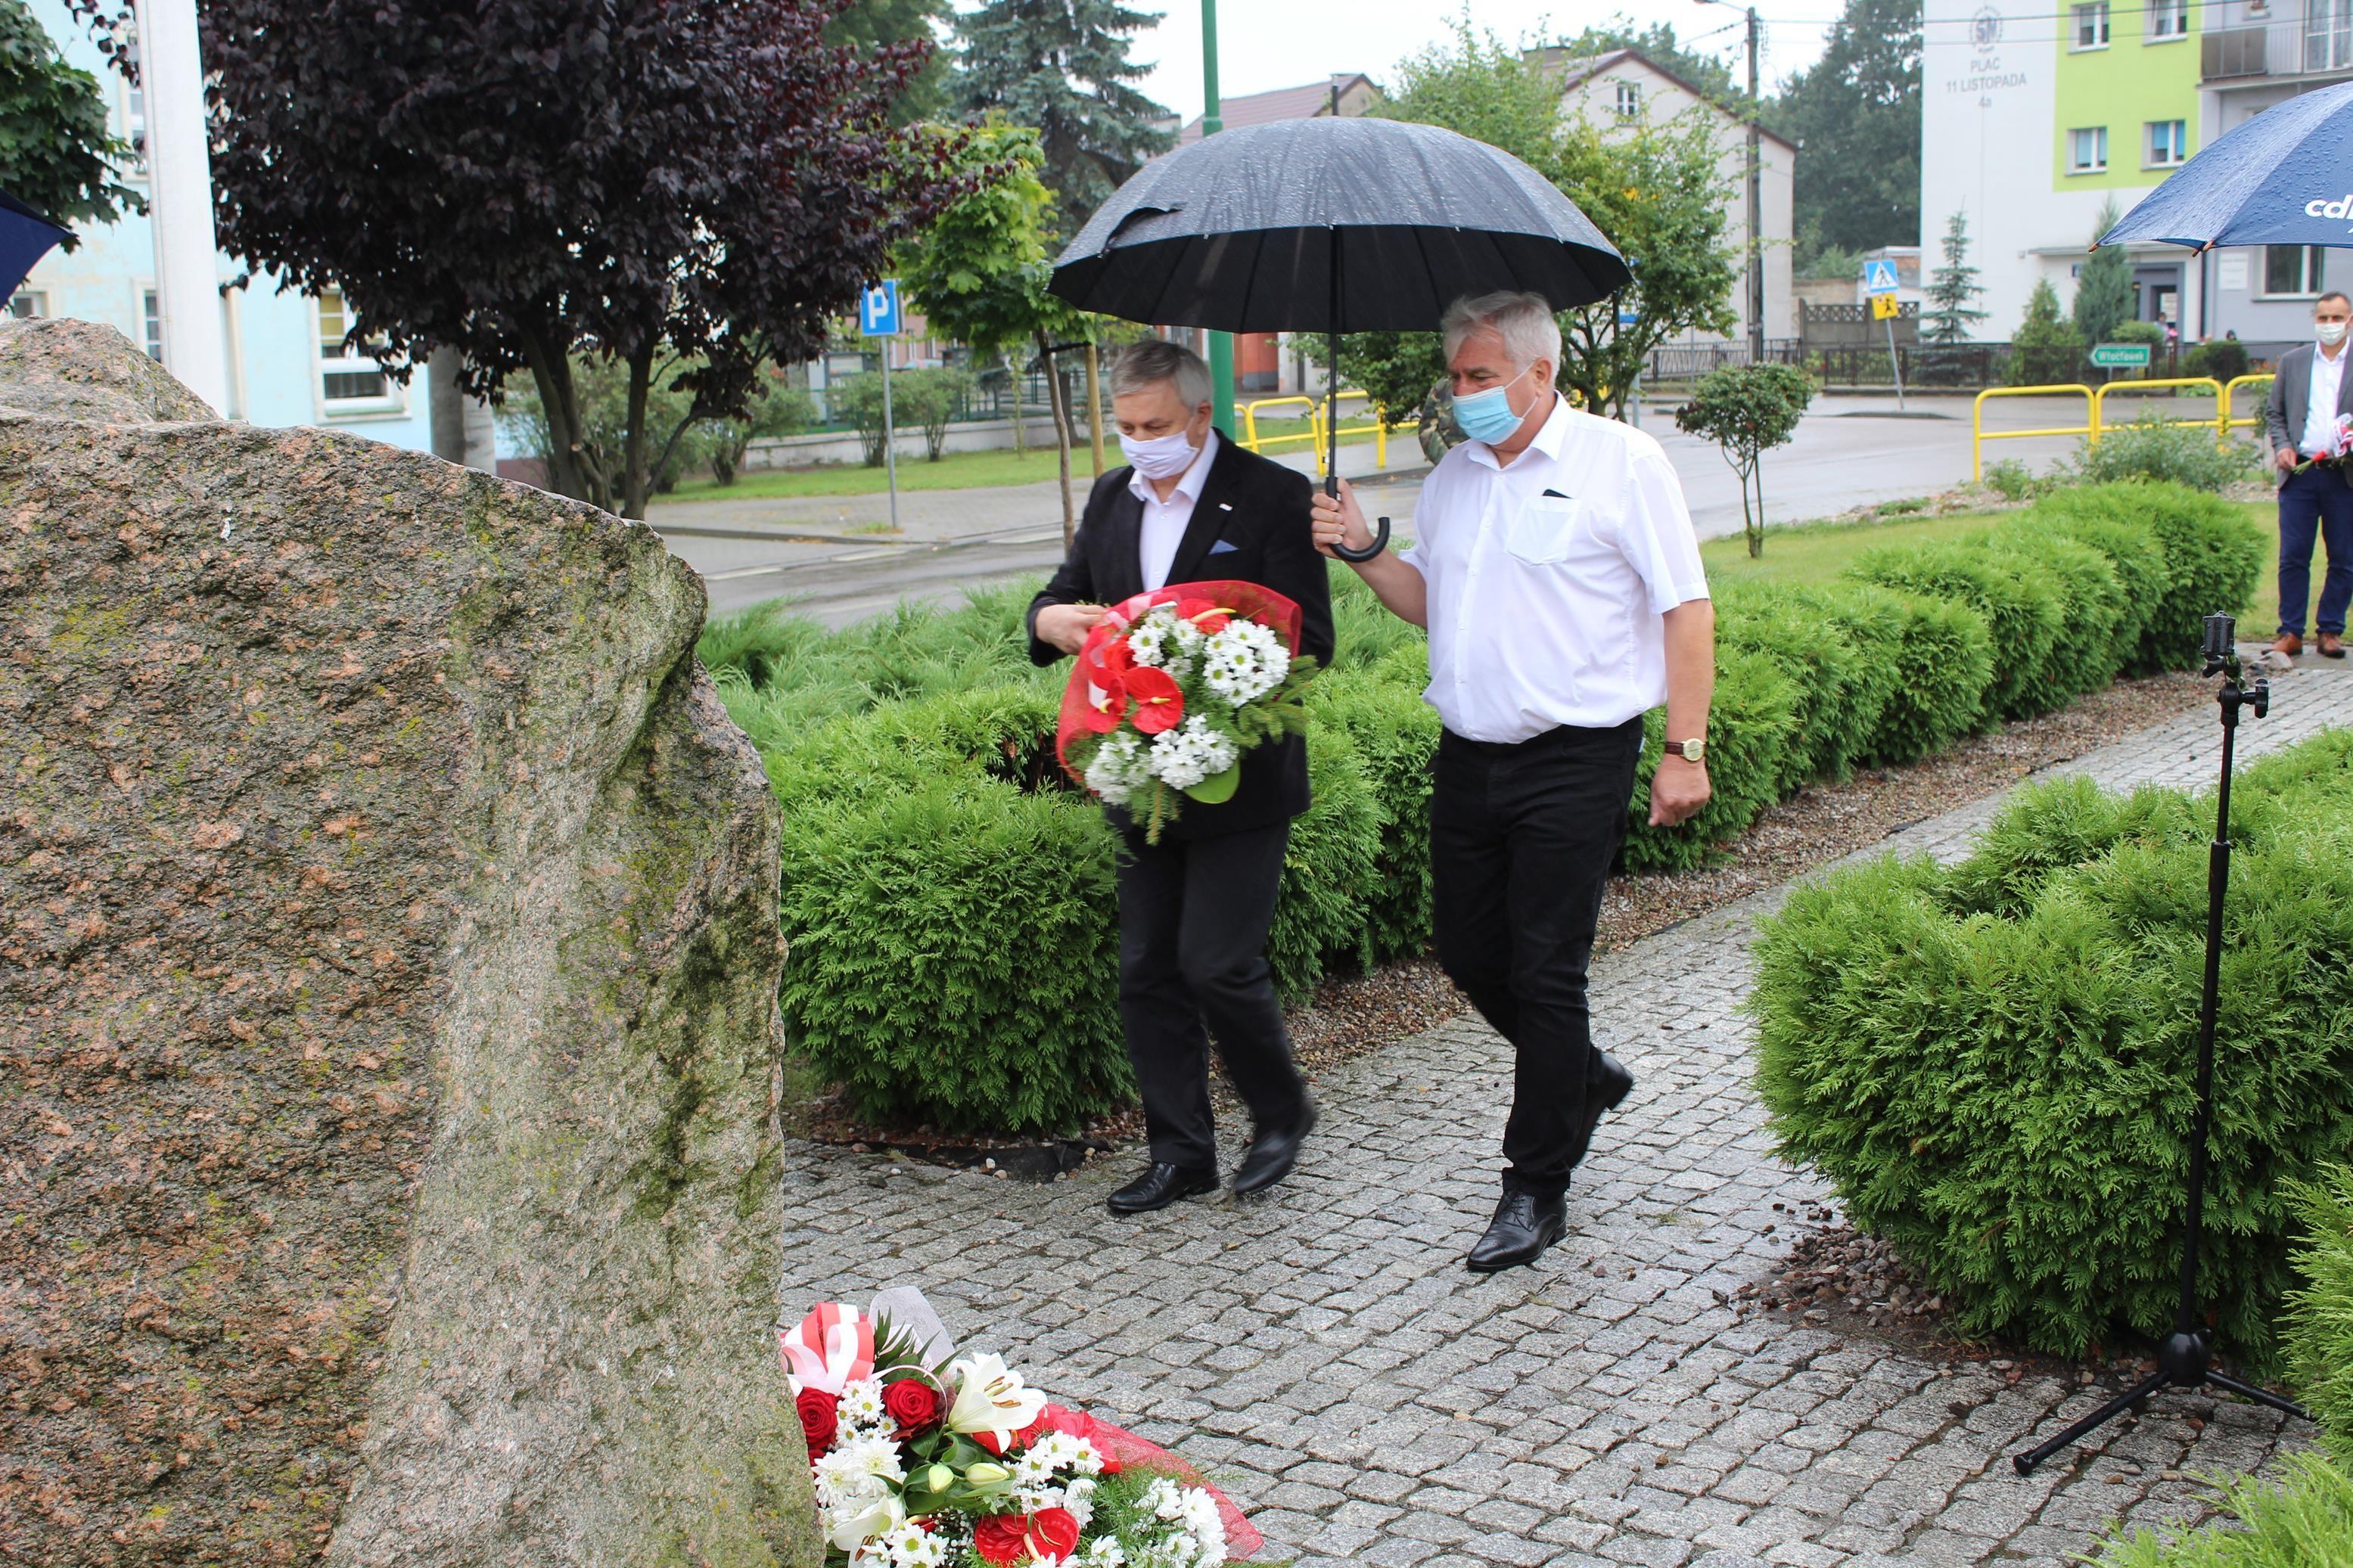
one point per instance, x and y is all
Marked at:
(828, 556)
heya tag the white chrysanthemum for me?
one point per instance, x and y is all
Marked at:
(858, 1466)
(1244, 662)
(1147, 640)
(913, 1547)
(1079, 1499)
(1056, 1454)
(861, 1410)
(1161, 1499)
(1193, 750)
(1206, 1525)
(1117, 767)
(1105, 1552)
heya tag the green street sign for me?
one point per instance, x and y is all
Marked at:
(2120, 356)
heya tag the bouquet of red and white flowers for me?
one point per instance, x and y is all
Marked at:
(1173, 685)
(961, 1464)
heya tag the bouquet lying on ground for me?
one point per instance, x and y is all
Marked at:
(961, 1464)
(1173, 685)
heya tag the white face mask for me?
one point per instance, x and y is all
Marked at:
(2331, 333)
(1161, 458)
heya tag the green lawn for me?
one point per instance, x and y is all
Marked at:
(1819, 552)
(956, 471)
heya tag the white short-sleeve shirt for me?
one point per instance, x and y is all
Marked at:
(1549, 578)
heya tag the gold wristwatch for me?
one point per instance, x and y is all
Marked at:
(1689, 751)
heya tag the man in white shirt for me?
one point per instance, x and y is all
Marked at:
(2311, 396)
(1559, 578)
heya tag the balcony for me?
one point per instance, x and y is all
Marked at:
(2231, 52)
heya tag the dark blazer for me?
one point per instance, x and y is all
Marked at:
(1259, 510)
(2290, 399)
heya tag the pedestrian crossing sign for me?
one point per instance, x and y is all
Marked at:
(1879, 277)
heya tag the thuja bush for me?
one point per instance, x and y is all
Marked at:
(2135, 556)
(1993, 1063)
(1330, 870)
(1750, 727)
(1840, 690)
(2319, 1339)
(2014, 596)
(2212, 556)
(1396, 735)
(2090, 604)
(1943, 654)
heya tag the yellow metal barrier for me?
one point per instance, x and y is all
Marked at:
(1257, 443)
(1379, 429)
(2100, 398)
(2225, 420)
(1979, 434)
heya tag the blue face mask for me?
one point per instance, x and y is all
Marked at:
(1487, 416)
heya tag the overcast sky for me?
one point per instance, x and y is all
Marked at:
(1266, 44)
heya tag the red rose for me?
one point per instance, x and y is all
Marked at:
(912, 1403)
(999, 1539)
(1159, 700)
(820, 1418)
(1116, 656)
(1053, 1533)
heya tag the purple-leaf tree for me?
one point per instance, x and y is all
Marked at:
(696, 184)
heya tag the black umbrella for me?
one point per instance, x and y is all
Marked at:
(25, 237)
(1333, 225)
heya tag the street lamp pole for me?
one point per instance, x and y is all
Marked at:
(1755, 206)
(1221, 344)
(179, 199)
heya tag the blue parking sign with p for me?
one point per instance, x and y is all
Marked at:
(1879, 277)
(878, 310)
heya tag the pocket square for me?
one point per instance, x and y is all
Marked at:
(1221, 547)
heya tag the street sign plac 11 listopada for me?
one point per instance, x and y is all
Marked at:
(878, 310)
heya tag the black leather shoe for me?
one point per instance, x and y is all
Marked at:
(1159, 1186)
(1609, 1084)
(1271, 1154)
(1523, 1225)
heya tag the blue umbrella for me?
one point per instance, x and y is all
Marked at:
(2284, 177)
(25, 237)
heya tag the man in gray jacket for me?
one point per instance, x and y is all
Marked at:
(2312, 398)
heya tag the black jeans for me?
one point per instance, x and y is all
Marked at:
(1521, 839)
(1193, 919)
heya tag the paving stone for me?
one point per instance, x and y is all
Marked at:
(1324, 1357)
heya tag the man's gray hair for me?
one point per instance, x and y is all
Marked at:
(1525, 323)
(1155, 359)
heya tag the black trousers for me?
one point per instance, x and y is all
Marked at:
(1522, 838)
(1193, 919)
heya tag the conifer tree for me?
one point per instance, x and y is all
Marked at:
(2103, 287)
(1952, 287)
(1062, 66)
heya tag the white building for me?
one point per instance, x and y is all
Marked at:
(1623, 87)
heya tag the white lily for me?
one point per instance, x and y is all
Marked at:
(991, 1397)
(855, 1523)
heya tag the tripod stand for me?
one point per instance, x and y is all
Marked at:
(2185, 1360)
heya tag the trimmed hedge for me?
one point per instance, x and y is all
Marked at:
(1993, 1063)
(2212, 556)
(2011, 591)
(2319, 1339)
(943, 987)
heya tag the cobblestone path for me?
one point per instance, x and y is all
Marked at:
(1325, 1357)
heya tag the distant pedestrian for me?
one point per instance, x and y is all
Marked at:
(2307, 419)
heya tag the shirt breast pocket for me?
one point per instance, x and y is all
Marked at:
(1548, 529)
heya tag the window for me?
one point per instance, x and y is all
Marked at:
(27, 305)
(2087, 150)
(1630, 99)
(2167, 19)
(2092, 25)
(151, 323)
(350, 380)
(2328, 34)
(2169, 144)
(2292, 270)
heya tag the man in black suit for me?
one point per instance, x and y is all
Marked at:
(1194, 909)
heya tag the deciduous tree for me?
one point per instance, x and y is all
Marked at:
(1855, 116)
(707, 181)
(1748, 410)
(56, 153)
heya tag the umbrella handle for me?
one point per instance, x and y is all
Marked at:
(1380, 543)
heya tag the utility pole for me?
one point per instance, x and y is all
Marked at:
(1755, 206)
(179, 199)
(1221, 344)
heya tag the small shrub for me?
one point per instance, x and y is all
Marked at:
(1824, 667)
(2213, 555)
(2090, 606)
(1394, 734)
(2135, 558)
(1940, 656)
(2319, 1339)
(2152, 447)
(2303, 1520)
(2013, 595)
(1750, 726)
(2224, 359)
(1994, 1064)
(2012, 480)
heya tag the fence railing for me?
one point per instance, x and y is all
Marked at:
(1924, 364)
(2095, 409)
